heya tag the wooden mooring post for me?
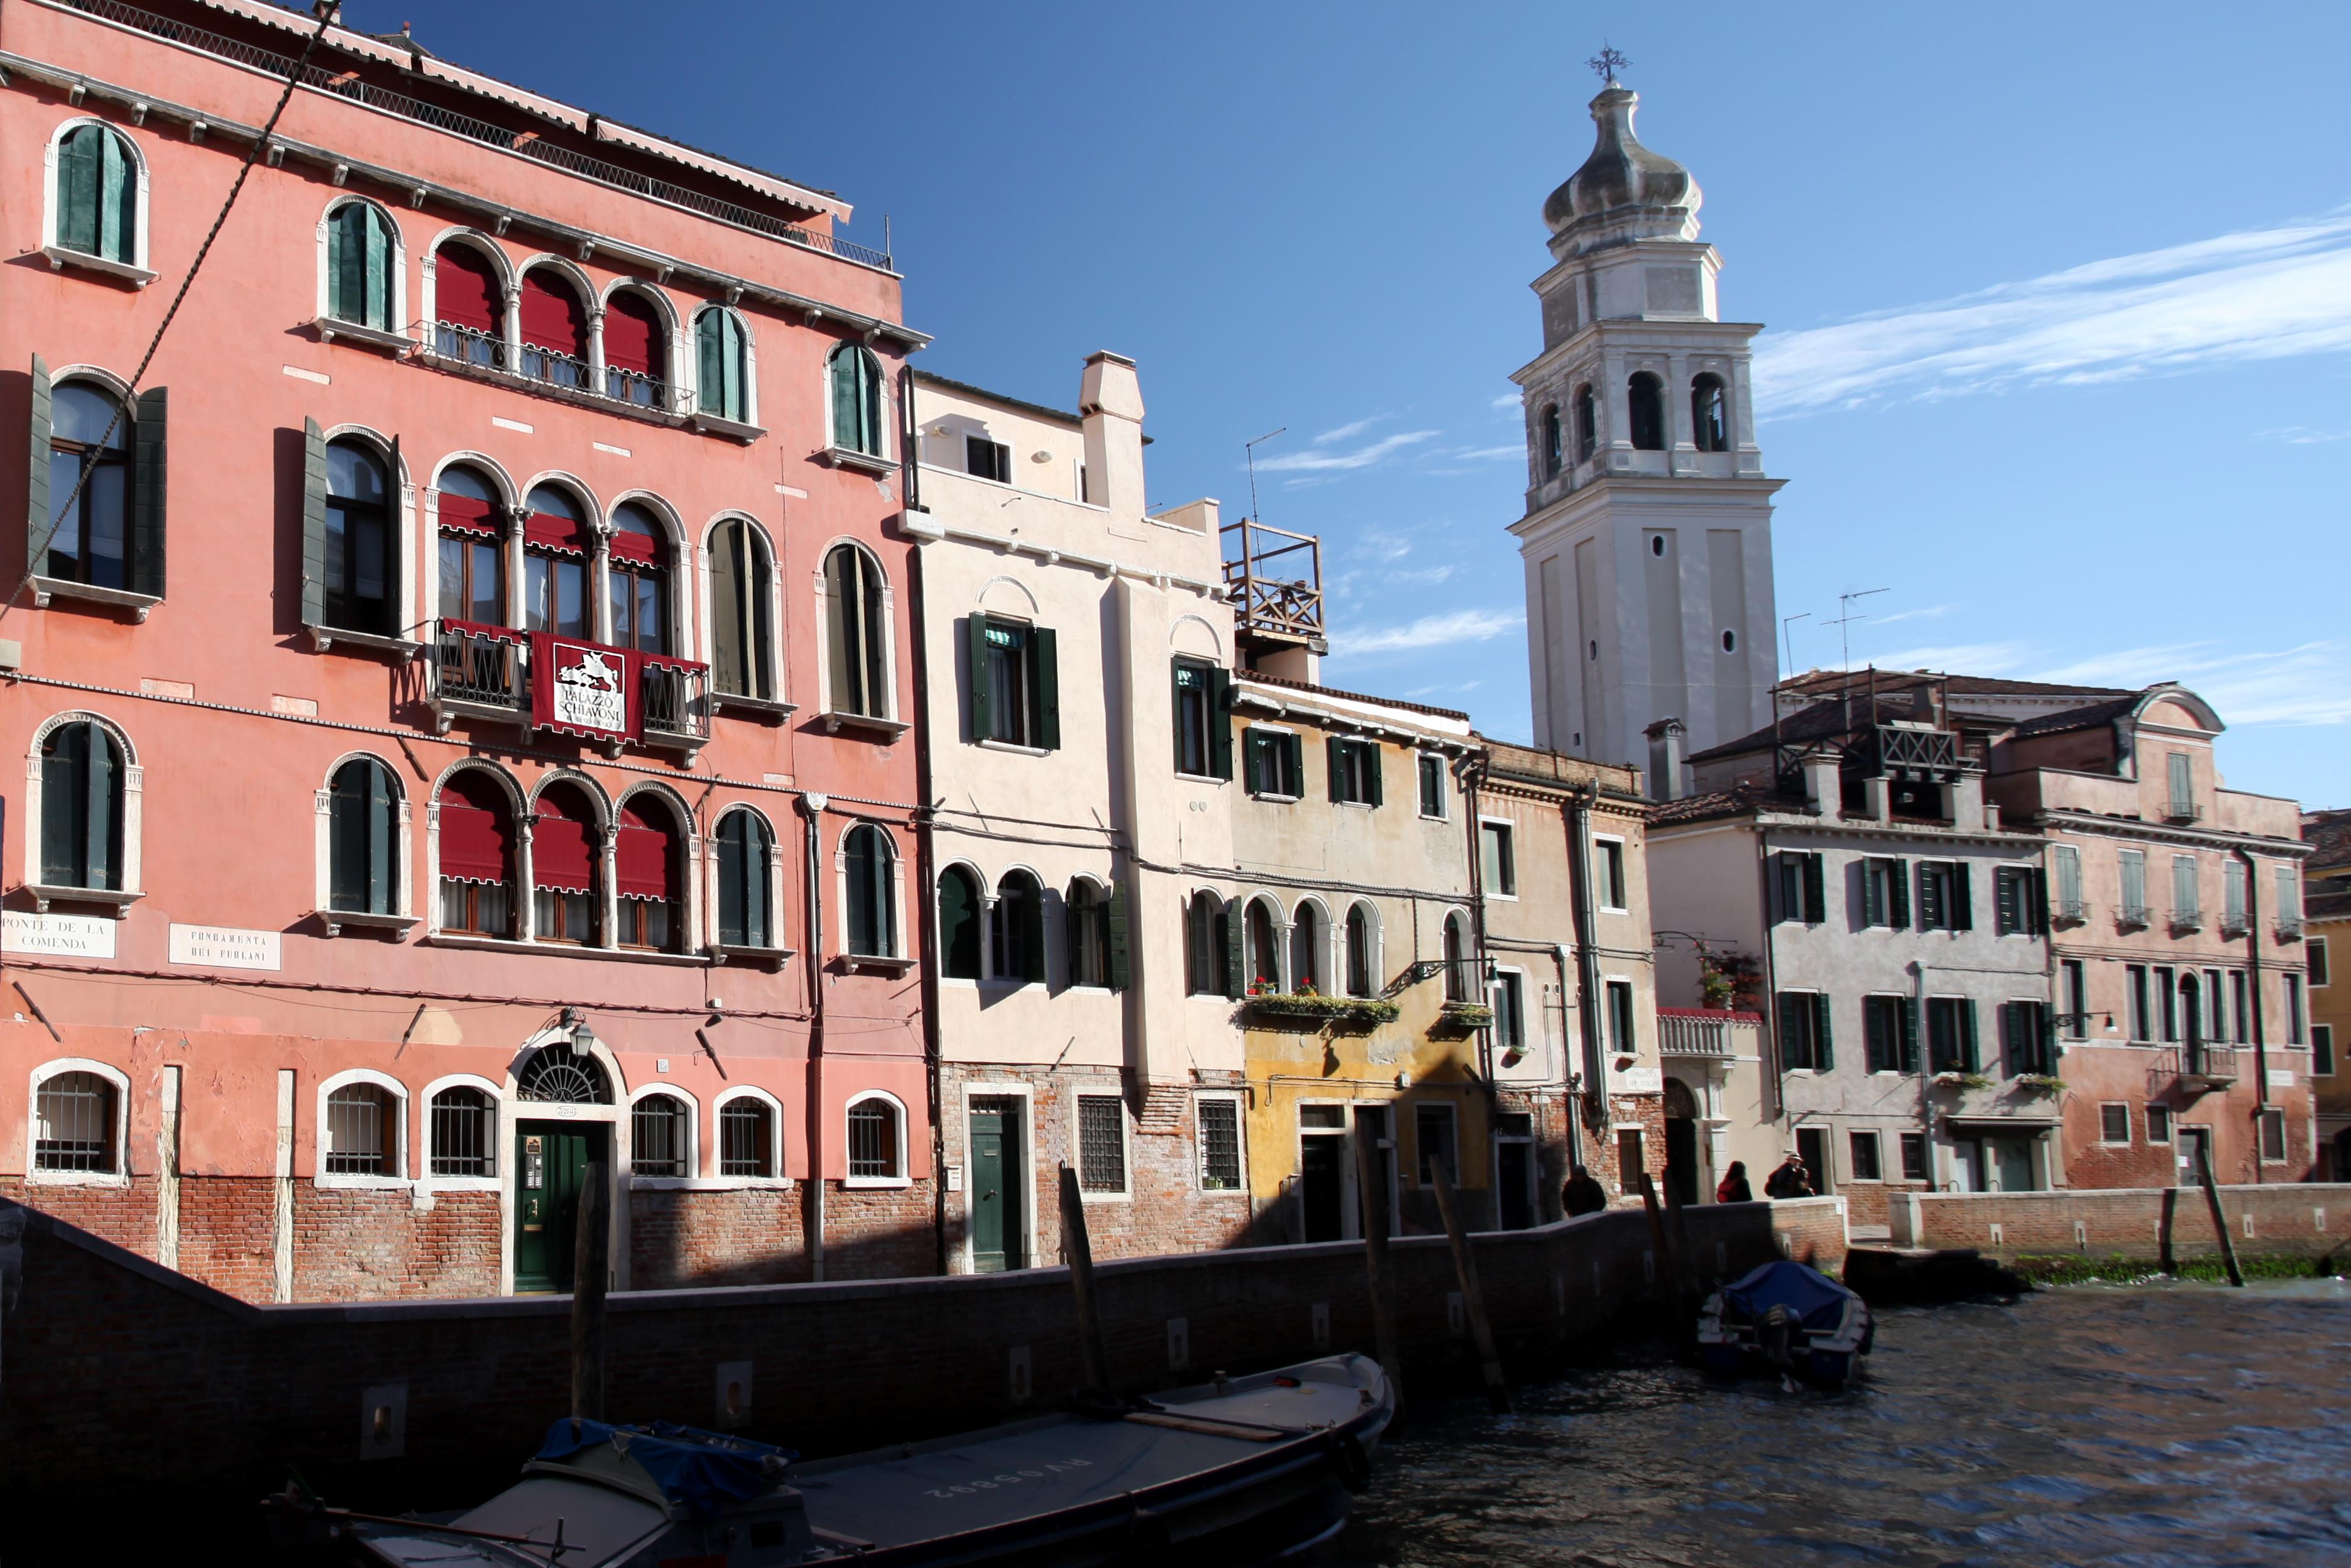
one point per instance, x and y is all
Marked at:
(1372, 1207)
(591, 1271)
(2220, 1221)
(1078, 1249)
(1473, 1299)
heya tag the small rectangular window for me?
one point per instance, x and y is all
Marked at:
(2070, 902)
(1943, 897)
(1865, 1158)
(1802, 896)
(2131, 868)
(2289, 900)
(2313, 950)
(2159, 1123)
(1354, 771)
(2183, 778)
(2293, 1018)
(1003, 711)
(1611, 854)
(1914, 1156)
(1220, 1145)
(1804, 1031)
(2322, 1050)
(1432, 1127)
(2135, 1010)
(1950, 1034)
(2113, 1124)
(1272, 759)
(987, 459)
(2075, 1001)
(2273, 1136)
(1629, 1164)
(2016, 906)
(1621, 1036)
(1496, 859)
(1102, 1143)
(2232, 894)
(1881, 1018)
(1202, 702)
(1432, 786)
(1509, 1010)
(2185, 907)
(2167, 1006)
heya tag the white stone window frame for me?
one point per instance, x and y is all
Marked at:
(897, 1108)
(1328, 945)
(502, 266)
(404, 912)
(710, 869)
(514, 1110)
(1283, 980)
(1623, 859)
(1527, 1042)
(898, 953)
(1271, 797)
(137, 271)
(676, 346)
(681, 598)
(1375, 961)
(134, 784)
(606, 829)
(1510, 826)
(706, 595)
(692, 1142)
(1877, 1143)
(519, 806)
(2103, 1141)
(717, 1180)
(1452, 1109)
(1101, 1088)
(2171, 1124)
(57, 1067)
(1631, 1048)
(46, 588)
(2262, 1122)
(689, 377)
(331, 326)
(1240, 1187)
(878, 464)
(999, 1089)
(990, 896)
(981, 901)
(591, 307)
(1443, 812)
(826, 697)
(400, 1141)
(1472, 983)
(1104, 886)
(405, 551)
(500, 1141)
(691, 874)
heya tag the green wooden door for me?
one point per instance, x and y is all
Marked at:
(997, 1207)
(550, 1168)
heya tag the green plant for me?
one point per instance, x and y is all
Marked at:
(1726, 979)
(2040, 1084)
(1309, 1004)
(1962, 1080)
(1466, 1015)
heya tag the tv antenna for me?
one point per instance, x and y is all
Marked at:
(1250, 447)
(1844, 623)
(1786, 622)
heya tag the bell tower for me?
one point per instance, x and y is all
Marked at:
(1648, 533)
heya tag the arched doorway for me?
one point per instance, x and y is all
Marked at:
(1681, 1140)
(562, 1126)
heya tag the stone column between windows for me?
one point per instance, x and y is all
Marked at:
(1682, 432)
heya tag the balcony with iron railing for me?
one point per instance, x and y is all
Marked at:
(484, 672)
(2289, 927)
(2234, 923)
(2182, 812)
(2132, 917)
(2205, 1068)
(2068, 911)
(2185, 919)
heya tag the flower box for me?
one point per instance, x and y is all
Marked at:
(1465, 1015)
(1311, 1007)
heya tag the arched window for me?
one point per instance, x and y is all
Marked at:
(98, 196)
(469, 306)
(638, 571)
(90, 531)
(363, 839)
(747, 1137)
(554, 330)
(959, 905)
(1206, 928)
(73, 1129)
(556, 545)
(563, 837)
(877, 1147)
(636, 351)
(855, 625)
(742, 643)
(856, 400)
(1710, 414)
(1553, 452)
(723, 353)
(660, 1137)
(478, 843)
(363, 1131)
(559, 1073)
(1306, 949)
(1361, 958)
(82, 779)
(646, 857)
(872, 916)
(359, 557)
(746, 907)
(1458, 978)
(464, 1133)
(361, 256)
(1588, 422)
(1016, 929)
(1089, 939)
(473, 549)
(1645, 398)
(1264, 950)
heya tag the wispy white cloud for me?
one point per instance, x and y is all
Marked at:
(1485, 453)
(1930, 612)
(1966, 658)
(1434, 632)
(2302, 436)
(2259, 294)
(1512, 400)
(2309, 683)
(1334, 460)
(1345, 431)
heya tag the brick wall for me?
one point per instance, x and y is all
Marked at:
(2281, 1220)
(360, 1246)
(95, 1335)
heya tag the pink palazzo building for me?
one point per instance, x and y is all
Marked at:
(463, 686)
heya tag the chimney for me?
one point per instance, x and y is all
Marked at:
(1110, 404)
(1823, 787)
(1666, 758)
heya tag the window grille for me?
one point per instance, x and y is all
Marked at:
(360, 1132)
(2113, 1124)
(746, 1139)
(1865, 1158)
(872, 1139)
(1914, 1156)
(464, 1129)
(73, 1123)
(657, 1137)
(1102, 1143)
(561, 1076)
(1220, 1145)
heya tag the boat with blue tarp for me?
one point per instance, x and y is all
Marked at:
(1786, 1318)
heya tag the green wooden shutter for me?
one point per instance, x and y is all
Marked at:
(1787, 1003)
(1220, 722)
(78, 181)
(726, 633)
(1175, 706)
(1897, 884)
(1824, 1041)
(1909, 1034)
(342, 265)
(1873, 897)
(1967, 1035)
(1033, 921)
(39, 520)
(147, 491)
(103, 833)
(845, 400)
(314, 524)
(1045, 687)
(2045, 1016)
(1236, 941)
(379, 271)
(731, 915)
(1815, 894)
(1335, 761)
(1375, 760)
(117, 201)
(1962, 902)
(975, 644)
(384, 842)
(1253, 744)
(63, 787)
(1122, 963)
(710, 358)
(2040, 902)
(1294, 747)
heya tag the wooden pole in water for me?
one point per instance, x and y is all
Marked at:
(1078, 1248)
(591, 1267)
(1374, 1212)
(2212, 1201)
(1473, 1299)
(1669, 1267)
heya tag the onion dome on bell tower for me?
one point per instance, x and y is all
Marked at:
(1624, 191)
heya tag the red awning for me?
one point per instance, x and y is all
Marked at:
(550, 530)
(561, 857)
(465, 290)
(632, 336)
(551, 315)
(625, 544)
(646, 853)
(476, 834)
(464, 512)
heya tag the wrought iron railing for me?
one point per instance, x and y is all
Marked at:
(2199, 1060)
(469, 345)
(2233, 923)
(635, 387)
(488, 669)
(675, 697)
(556, 368)
(2134, 917)
(2068, 910)
(2187, 920)
(2289, 927)
(1933, 753)
(529, 144)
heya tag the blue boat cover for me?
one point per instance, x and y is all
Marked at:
(700, 1471)
(1817, 1300)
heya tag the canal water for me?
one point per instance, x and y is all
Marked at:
(2149, 1425)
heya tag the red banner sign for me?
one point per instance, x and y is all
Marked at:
(582, 688)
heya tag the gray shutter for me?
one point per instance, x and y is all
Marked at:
(1815, 894)
(1045, 687)
(384, 842)
(1963, 900)
(147, 491)
(1968, 1059)
(1335, 761)
(1909, 1034)
(975, 642)
(1122, 965)
(1220, 722)
(1236, 942)
(314, 524)
(39, 520)
(726, 638)
(1823, 1043)
(100, 829)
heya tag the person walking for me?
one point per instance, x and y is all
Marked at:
(1733, 1188)
(1582, 1195)
(1789, 1180)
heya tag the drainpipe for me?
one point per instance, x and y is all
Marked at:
(925, 864)
(2254, 984)
(1770, 999)
(1470, 773)
(1587, 971)
(812, 1209)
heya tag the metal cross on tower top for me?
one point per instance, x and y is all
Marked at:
(1607, 63)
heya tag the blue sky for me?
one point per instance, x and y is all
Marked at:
(2058, 297)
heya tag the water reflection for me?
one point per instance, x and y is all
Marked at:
(2149, 1425)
